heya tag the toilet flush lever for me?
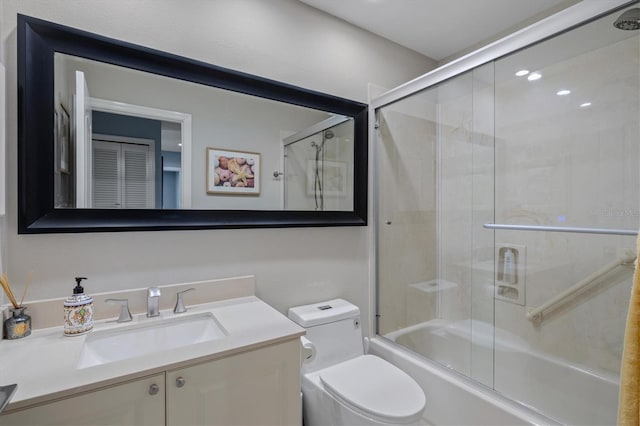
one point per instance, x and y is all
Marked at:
(308, 352)
(180, 308)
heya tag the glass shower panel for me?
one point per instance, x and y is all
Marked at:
(432, 264)
(297, 157)
(567, 155)
(482, 265)
(543, 139)
(407, 223)
(319, 170)
(336, 169)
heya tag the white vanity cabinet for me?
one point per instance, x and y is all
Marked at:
(259, 387)
(138, 402)
(254, 387)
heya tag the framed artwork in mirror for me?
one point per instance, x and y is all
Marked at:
(233, 172)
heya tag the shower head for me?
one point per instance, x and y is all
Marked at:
(328, 134)
(629, 20)
(316, 146)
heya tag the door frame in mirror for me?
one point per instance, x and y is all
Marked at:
(184, 120)
(39, 40)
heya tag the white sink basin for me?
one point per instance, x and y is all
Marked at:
(156, 335)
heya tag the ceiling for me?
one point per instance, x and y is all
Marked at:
(440, 29)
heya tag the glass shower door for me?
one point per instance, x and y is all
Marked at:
(435, 189)
(319, 170)
(567, 154)
(507, 207)
(299, 188)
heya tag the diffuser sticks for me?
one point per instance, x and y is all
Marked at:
(4, 281)
(18, 325)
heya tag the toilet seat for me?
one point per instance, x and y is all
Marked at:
(372, 386)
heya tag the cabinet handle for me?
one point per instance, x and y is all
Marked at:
(154, 389)
(180, 382)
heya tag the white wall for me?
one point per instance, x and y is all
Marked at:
(279, 39)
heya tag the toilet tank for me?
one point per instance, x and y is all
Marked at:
(334, 329)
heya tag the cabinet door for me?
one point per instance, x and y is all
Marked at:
(131, 403)
(260, 387)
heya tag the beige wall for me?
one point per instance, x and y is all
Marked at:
(279, 39)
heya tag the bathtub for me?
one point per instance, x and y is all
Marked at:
(564, 393)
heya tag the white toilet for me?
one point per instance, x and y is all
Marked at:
(343, 386)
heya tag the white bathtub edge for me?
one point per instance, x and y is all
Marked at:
(483, 406)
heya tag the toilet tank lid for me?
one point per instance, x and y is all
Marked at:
(323, 312)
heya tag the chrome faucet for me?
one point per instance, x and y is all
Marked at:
(153, 296)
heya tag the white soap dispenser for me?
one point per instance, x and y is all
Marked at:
(508, 267)
(78, 311)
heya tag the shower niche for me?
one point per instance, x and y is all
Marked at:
(510, 273)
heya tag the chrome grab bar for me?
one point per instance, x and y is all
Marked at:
(606, 231)
(536, 315)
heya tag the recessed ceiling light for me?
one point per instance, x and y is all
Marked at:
(179, 144)
(534, 76)
(586, 104)
(563, 92)
(522, 73)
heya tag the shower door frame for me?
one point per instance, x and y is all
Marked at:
(561, 22)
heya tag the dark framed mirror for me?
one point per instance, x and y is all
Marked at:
(231, 178)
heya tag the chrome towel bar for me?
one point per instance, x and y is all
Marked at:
(630, 232)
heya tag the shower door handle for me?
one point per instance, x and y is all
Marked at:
(387, 222)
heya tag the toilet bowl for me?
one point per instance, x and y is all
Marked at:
(343, 386)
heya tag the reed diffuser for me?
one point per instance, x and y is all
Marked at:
(18, 325)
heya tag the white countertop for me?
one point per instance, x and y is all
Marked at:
(44, 363)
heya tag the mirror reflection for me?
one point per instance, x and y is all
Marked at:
(127, 139)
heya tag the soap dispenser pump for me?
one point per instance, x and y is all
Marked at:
(78, 311)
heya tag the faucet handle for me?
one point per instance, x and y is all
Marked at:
(180, 308)
(125, 315)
